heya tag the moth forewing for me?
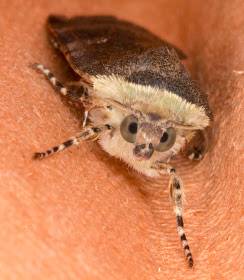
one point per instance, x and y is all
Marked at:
(142, 105)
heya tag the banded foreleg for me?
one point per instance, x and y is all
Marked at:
(64, 91)
(90, 133)
(177, 195)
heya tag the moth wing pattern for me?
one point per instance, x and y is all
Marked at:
(95, 44)
(104, 45)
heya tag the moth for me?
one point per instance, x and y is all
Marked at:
(142, 105)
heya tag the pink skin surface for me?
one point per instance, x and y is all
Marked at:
(84, 215)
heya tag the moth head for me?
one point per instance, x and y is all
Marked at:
(139, 138)
(147, 134)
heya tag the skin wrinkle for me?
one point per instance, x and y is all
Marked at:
(83, 215)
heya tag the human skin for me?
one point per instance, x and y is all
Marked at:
(81, 214)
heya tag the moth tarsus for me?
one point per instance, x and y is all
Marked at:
(141, 103)
(177, 195)
(89, 133)
(64, 91)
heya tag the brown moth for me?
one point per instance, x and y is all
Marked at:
(142, 104)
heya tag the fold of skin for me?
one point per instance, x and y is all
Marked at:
(81, 214)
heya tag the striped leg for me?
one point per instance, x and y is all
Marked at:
(177, 195)
(91, 133)
(56, 83)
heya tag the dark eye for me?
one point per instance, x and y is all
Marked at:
(128, 128)
(133, 128)
(164, 138)
(167, 140)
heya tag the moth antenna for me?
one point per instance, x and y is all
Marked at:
(119, 105)
(177, 195)
(91, 133)
(55, 82)
(187, 127)
(81, 83)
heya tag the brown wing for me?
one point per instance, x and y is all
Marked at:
(93, 43)
(103, 45)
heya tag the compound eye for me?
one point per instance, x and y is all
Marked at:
(128, 128)
(167, 140)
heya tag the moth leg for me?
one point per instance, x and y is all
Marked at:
(56, 83)
(90, 133)
(85, 118)
(177, 196)
(198, 146)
